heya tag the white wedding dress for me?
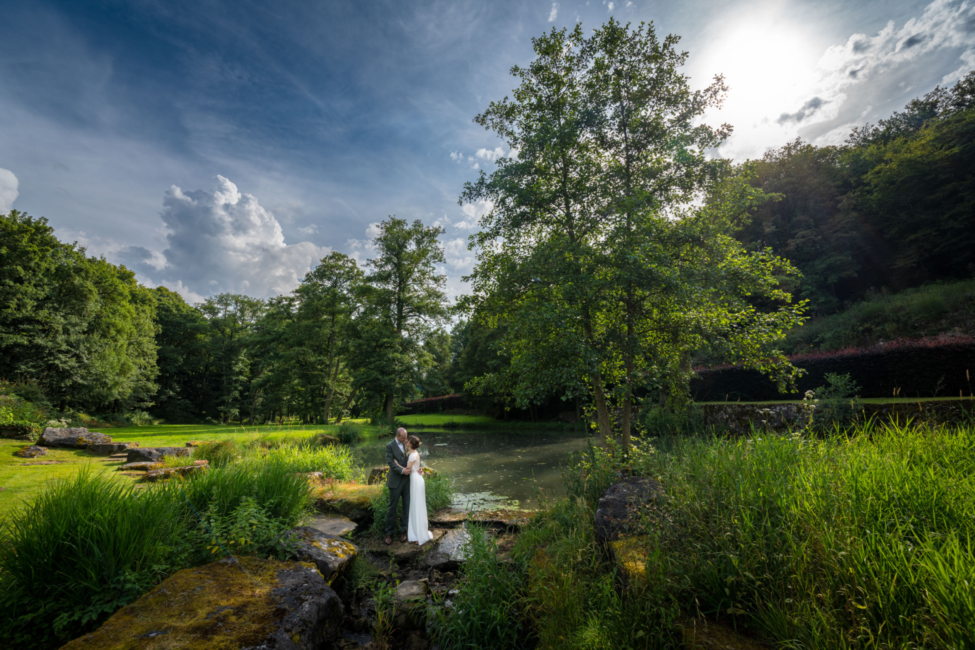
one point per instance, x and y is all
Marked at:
(418, 529)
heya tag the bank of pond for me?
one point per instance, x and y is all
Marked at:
(855, 539)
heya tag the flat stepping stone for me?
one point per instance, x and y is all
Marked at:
(403, 552)
(141, 466)
(335, 525)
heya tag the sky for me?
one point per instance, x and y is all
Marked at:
(216, 146)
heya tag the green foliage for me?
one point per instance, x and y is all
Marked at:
(79, 327)
(484, 612)
(572, 596)
(78, 552)
(402, 297)
(440, 492)
(219, 454)
(923, 311)
(835, 403)
(248, 529)
(890, 209)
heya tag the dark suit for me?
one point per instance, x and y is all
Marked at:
(399, 487)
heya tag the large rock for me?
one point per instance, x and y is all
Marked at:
(450, 551)
(332, 555)
(241, 602)
(109, 448)
(624, 507)
(31, 451)
(75, 437)
(153, 454)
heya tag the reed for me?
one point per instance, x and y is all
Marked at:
(80, 550)
(841, 542)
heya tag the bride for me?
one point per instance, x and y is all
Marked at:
(417, 529)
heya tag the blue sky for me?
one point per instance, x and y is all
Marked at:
(226, 146)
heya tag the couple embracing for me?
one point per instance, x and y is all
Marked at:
(406, 487)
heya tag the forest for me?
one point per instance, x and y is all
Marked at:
(889, 210)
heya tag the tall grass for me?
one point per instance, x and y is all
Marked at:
(484, 612)
(79, 551)
(843, 542)
(273, 484)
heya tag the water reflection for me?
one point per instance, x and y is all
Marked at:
(523, 467)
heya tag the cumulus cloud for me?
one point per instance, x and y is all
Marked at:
(490, 155)
(224, 240)
(944, 24)
(473, 213)
(554, 12)
(8, 190)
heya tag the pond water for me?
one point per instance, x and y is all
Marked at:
(494, 468)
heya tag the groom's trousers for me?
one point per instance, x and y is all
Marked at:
(398, 494)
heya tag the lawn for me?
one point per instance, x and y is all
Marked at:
(22, 479)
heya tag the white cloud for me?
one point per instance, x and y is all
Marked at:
(362, 250)
(473, 213)
(490, 155)
(457, 256)
(225, 241)
(8, 190)
(554, 12)
(611, 6)
(456, 156)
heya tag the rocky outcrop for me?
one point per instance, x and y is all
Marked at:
(622, 509)
(332, 555)
(622, 515)
(153, 454)
(241, 602)
(72, 437)
(162, 473)
(347, 498)
(109, 448)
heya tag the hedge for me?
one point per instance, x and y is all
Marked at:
(933, 367)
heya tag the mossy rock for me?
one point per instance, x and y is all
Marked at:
(349, 498)
(238, 602)
(630, 554)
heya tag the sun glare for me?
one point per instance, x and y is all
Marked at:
(769, 65)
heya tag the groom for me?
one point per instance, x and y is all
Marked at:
(398, 480)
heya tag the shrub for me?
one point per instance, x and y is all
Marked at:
(219, 454)
(349, 433)
(248, 529)
(440, 492)
(78, 552)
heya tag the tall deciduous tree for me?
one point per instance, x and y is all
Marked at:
(402, 301)
(328, 300)
(595, 257)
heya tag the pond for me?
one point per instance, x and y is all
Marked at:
(494, 468)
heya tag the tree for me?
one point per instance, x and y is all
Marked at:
(230, 319)
(403, 301)
(181, 357)
(594, 259)
(79, 327)
(328, 300)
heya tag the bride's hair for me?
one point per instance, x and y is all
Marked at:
(414, 442)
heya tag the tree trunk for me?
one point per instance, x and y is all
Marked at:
(388, 407)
